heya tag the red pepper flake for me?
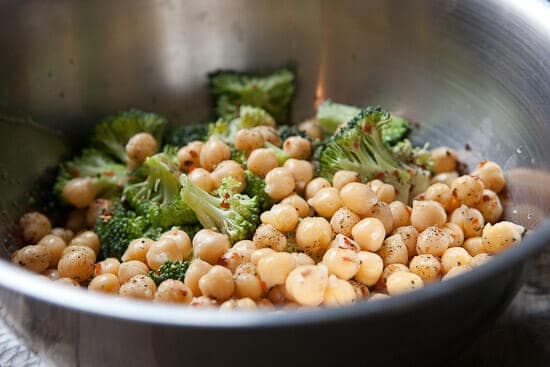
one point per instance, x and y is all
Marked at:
(408, 209)
(224, 205)
(222, 261)
(356, 144)
(454, 193)
(475, 220)
(486, 198)
(193, 154)
(347, 241)
(97, 268)
(306, 272)
(187, 163)
(347, 258)
(263, 285)
(109, 173)
(75, 173)
(378, 175)
(367, 128)
(226, 195)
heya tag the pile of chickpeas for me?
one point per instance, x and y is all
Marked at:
(322, 243)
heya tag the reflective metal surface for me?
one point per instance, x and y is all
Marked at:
(470, 72)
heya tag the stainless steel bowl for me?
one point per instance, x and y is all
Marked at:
(472, 73)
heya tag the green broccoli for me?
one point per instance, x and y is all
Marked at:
(273, 93)
(249, 117)
(116, 227)
(236, 215)
(170, 270)
(419, 156)
(286, 131)
(156, 195)
(255, 187)
(112, 134)
(183, 135)
(280, 154)
(331, 115)
(359, 147)
(108, 176)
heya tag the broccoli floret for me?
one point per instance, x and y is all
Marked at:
(280, 154)
(249, 117)
(359, 147)
(239, 156)
(331, 115)
(170, 270)
(116, 227)
(272, 92)
(236, 215)
(255, 187)
(112, 134)
(107, 175)
(286, 131)
(419, 156)
(183, 135)
(156, 196)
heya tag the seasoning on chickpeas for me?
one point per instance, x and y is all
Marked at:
(467, 190)
(110, 265)
(313, 235)
(342, 178)
(445, 159)
(217, 283)
(491, 175)
(173, 291)
(344, 263)
(33, 257)
(137, 250)
(358, 198)
(343, 220)
(326, 202)
(87, 239)
(307, 284)
(402, 282)
(189, 156)
(139, 286)
(427, 213)
(210, 245)
(55, 246)
(267, 236)
(394, 251)
(213, 152)
(490, 206)
(433, 241)
(426, 266)
(441, 193)
(297, 147)
(226, 169)
(401, 214)
(470, 220)
(77, 265)
(315, 185)
(131, 268)
(35, 226)
(409, 234)
(301, 206)
(106, 283)
(247, 282)
(369, 233)
(500, 236)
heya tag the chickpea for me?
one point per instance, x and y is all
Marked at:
(268, 236)
(442, 194)
(282, 217)
(278, 295)
(52, 274)
(358, 198)
(77, 265)
(240, 253)
(139, 286)
(384, 192)
(491, 175)
(409, 234)
(458, 270)
(217, 283)
(173, 291)
(301, 170)
(87, 239)
(274, 268)
(33, 257)
(426, 267)
(378, 297)
(210, 245)
(302, 259)
(79, 192)
(446, 178)
(279, 183)
(165, 249)
(479, 260)
(229, 169)
(129, 269)
(307, 284)
(84, 249)
(467, 190)
(76, 220)
(338, 292)
(202, 178)
(213, 152)
(249, 139)
(96, 210)
(370, 269)
(203, 302)
(315, 185)
(490, 206)
(247, 283)
(141, 146)
(342, 178)
(110, 265)
(343, 263)
(343, 220)
(401, 214)
(369, 233)
(258, 254)
(382, 212)
(326, 202)
(270, 134)
(402, 282)
(474, 246)
(313, 235)
(445, 159)
(297, 147)
(344, 243)
(312, 128)
(469, 219)
(239, 304)
(55, 246)
(261, 161)
(264, 303)
(65, 234)
(361, 290)
(500, 236)
(426, 214)
(106, 283)
(137, 250)
(301, 206)
(389, 270)
(68, 281)
(455, 231)
(453, 257)
(194, 273)
(181, 239)
(189, 156)
(35, 226)
(433, 240)
(394, 251)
